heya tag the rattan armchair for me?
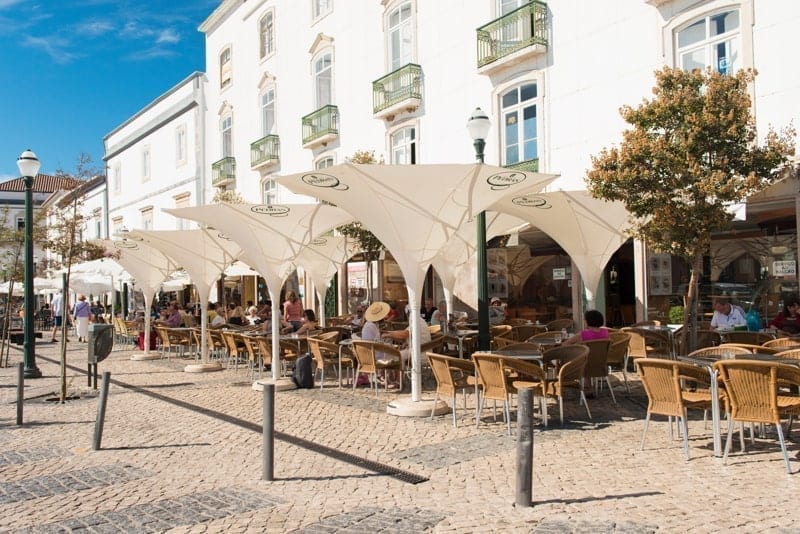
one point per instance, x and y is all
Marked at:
(617, 356)
(782, 343)
(751, 338)
(570, 375)
(561, 324)
(597, 364)
(452, 375)
(717, 352)
(370, 361)
(326, 354)
(494, 384)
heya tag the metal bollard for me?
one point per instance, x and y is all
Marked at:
(20, 390)
(101, 412)
(524, 496)
(268, 430)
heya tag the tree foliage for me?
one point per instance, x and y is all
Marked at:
(692, 150)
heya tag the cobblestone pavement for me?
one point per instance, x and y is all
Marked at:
(182, 453)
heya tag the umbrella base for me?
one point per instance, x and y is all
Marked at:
(281, 384)
(202, 368)
(406, 407)
(139, 356)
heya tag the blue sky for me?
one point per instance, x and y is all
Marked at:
(73, 70)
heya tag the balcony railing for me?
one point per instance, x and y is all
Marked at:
(524, 27)
(265, 151)
(531, 165)
(321, 126)
(223, 171)
(401, 88)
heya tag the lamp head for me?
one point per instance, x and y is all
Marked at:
(28, 164)
(478, 125)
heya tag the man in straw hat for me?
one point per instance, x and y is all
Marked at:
(404, 336)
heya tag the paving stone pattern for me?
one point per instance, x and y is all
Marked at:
(48, 485)
(31, 455)
(369, 519)
(166, 514)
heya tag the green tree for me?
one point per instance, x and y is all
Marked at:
(692, 150)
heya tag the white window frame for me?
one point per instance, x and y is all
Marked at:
(226, 134)
(180, 145)
(409, 147)
(325, 161)
(709, 44)
(320, 8)
(269, 191)
(117, 181)
(182, 200)
(116, 225)
(147, 217)
(266, 127)
(226, 67)
(501, 113)
(146, 163)
(266, 34)
(409, 26)
(318, 72)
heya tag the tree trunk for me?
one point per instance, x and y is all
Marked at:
(689, 331)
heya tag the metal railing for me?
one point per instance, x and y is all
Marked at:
(265, 149)
(531, 165)
(401, 84)
(223, 171)
(525, 26)
(322, 122)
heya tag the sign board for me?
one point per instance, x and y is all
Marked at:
(560, 273)
(784, 268)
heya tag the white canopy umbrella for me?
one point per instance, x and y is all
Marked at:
(321, 259)
(203, 254)
(149, 267)
(176, 281)
(240, 268)
(590, 230)
(90, 284)
(17, 291)
(271, 238)
(414, 210)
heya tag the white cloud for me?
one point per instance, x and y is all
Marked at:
(168, 35)
(55, 47)
(4, 4)
(94, 28)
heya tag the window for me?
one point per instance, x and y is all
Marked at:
(268, 111)
(147, 218)
(226, 129)
(401, 35)
(404, 146)
(116, 225)
(320, 8)
(145, 164)
(225, 69)
(182, 201)
(520, 131)
(270, 192)
(117, 179)
(324, 163)
(507, 6)
(266, 33)
(180, 144)
(712, 41)
(20, 224)
(323, 79)
(98, 229)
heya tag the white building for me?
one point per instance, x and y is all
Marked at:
(300, 84)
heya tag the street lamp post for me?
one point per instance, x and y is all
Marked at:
(478, 126)
(28, 165)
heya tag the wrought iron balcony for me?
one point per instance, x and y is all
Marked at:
(223, 172)
(518, 34)
(531, 165)
(265, 152)
(321, 127)
(400, 90)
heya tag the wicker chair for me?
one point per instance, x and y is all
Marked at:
(782, 343)
(494, 384)
(561, 324)
(789, 354)
(662, 380)
(597, 364)
(637, 345)
(500, 330)
(717, 352)
(452, 375)
(234, 345)
(524, 331)
(752, 387)
(326, 354)
(759, 349)
(368, 363)
(570, 376)
(617, 356)
(500, 342)
(751, 338)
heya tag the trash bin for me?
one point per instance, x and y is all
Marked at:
(101, 341)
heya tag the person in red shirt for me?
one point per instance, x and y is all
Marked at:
(293, 311)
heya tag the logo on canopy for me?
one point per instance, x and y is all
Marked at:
(532, 202)
(319, 242)
(324, 180)
(223, 236)
(271, 210)
(125, 244)
(504, 180)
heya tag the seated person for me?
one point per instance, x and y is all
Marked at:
(214, 319)
(358, 317)
(171, 316)
(594, 328)
(236, 315)
(404, 337)
(252, 316)
(497, 313)
(787, 322)
(439, 316)
(727, 314)
(309, 323)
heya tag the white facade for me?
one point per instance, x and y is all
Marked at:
(156, 160)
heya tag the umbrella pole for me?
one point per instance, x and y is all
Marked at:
(416, 375)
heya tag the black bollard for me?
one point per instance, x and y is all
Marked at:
(101, 412)
(20, 390)
(524, 495)
(268, 457)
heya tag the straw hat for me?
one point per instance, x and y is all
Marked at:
(81, 297)
(376, 311)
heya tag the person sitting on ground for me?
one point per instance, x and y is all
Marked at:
(309, 323)
(727, 315)
(787, 322)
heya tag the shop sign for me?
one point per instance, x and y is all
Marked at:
(560, 273)
(784, 268)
